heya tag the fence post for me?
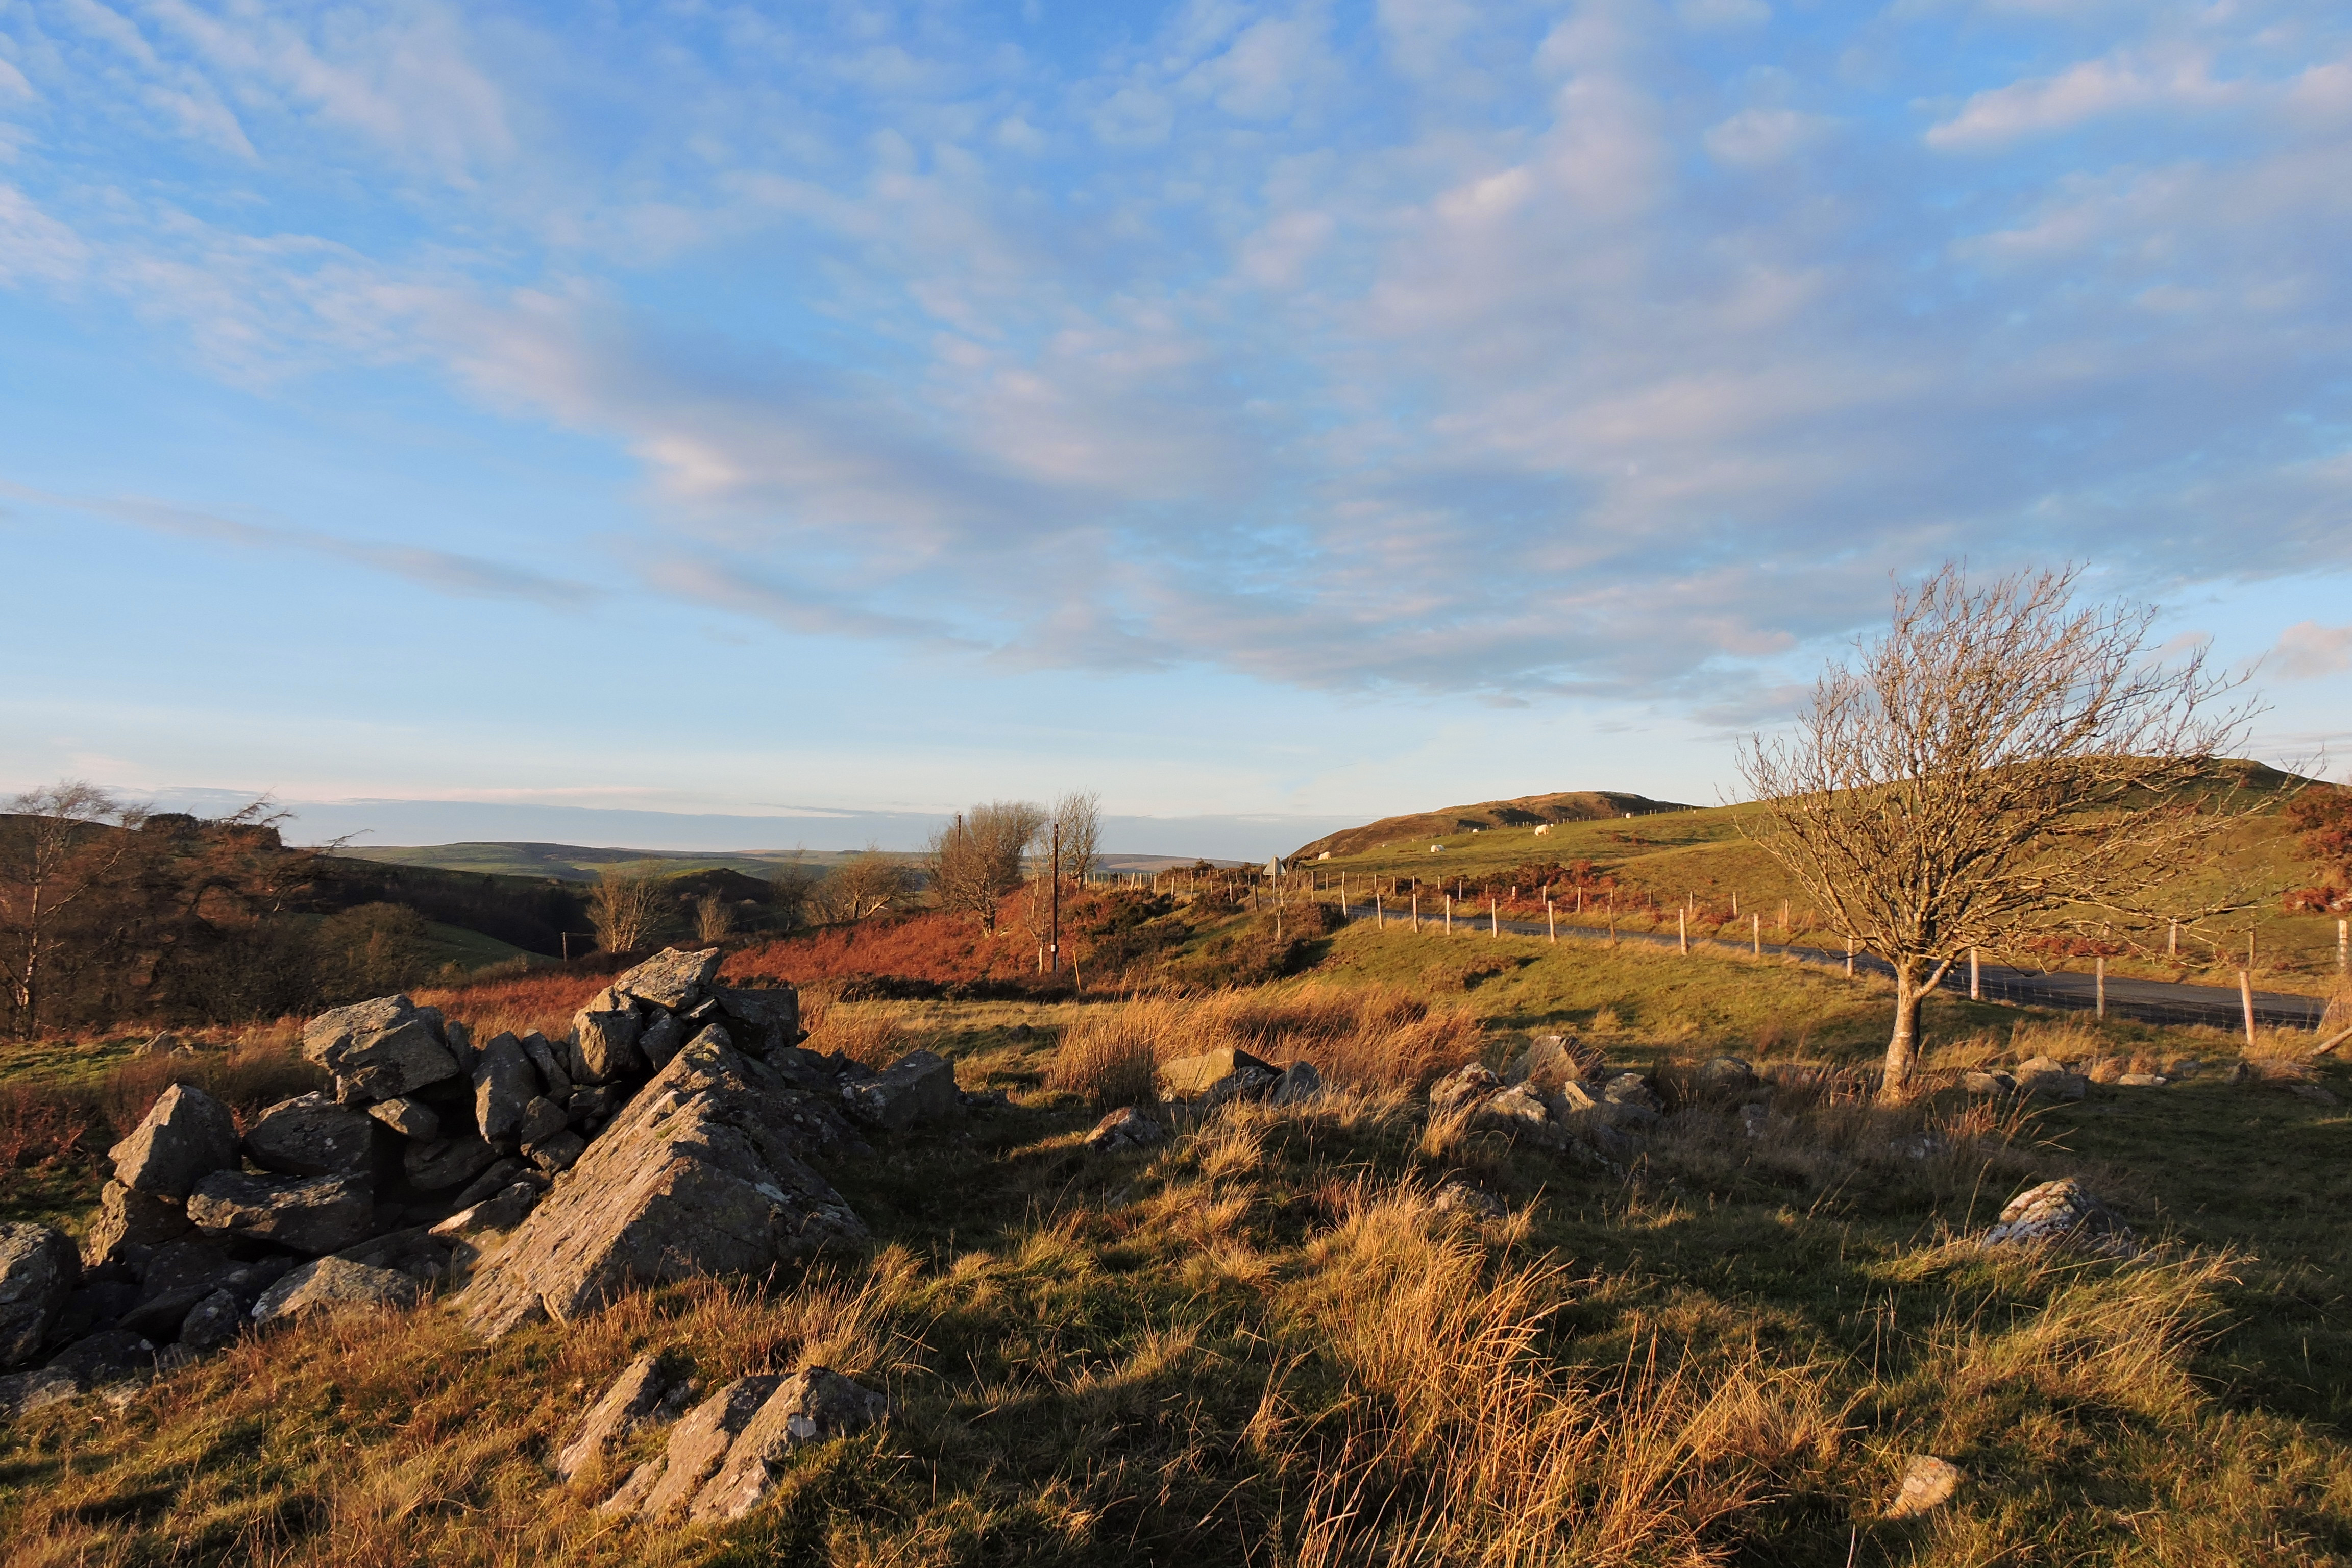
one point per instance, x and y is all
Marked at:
(1758, 933)
(1416, 910)
(1551, 922)
(1494, 918)
(1449, 914)
(2099, 982)
(2172, 939)
(2344, 947)
(2246, 999)
(1849, 958)
(1976, 978)
(1681, 928)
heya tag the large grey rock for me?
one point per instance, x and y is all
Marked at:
(448, 1162)
(660, 1039)
(494, 1180)
(698, 1445)
(1630, 1088)
(312, 1136)
(410, 1117)
(762, 1019)
(494, 1216)
(503, 1084)
(302, 1213)
(700, 1174)
(334, 1284)
(186, 1136)
(1726, 1074)
(807, 1407)
(919, 1086)
(603, 1044)
(542, 1119)
(39, 1269)
(129, 1220)
(417, 1252)
(637, 1397)
(1524, 1116)
(1298, 1084)
(671, 979)
(559, 1153)
(115, 1355)
(2061, 1213)
(1216, 1076)
(381, 1049)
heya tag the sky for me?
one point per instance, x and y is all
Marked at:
(480, 420)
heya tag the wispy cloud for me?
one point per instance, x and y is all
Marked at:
(2308, 650)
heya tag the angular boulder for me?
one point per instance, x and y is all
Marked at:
(697, 1447)
(603, 1044)
(559, 1153)
(1988, 1082)
(1523, 1115)
(302, 1213)
(700, 1174)
(213, 1322)
(1630, 1088)
(117, 1355)
(334, 1284)
(1549, 1061)
(672, 979)
(1216, 1076)
(637, 1397)
(547, 1061)
(1468, 1085)
(919, 1086)
(493, 1215)
(185, 1137)
(807, 1407)
(1298, 1084)
(39, 1271)
(381, 1049)
(1726, 1074)
(127, 1220)
(312, 1136)
(659, 1040)
(503, 1084)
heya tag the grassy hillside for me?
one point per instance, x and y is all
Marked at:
(1269, 1342)
(1697, 859)
(1417, 829)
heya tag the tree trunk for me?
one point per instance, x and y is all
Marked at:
(1903, 1045)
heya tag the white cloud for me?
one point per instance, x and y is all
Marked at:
(2307, 650)
(1754, 138)
(2091, 90)
(35, 247)
(1707, 15)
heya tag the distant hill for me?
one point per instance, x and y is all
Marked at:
(1528, 811)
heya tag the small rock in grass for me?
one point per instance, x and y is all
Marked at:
(1465, 1086)
(807, 1407)
(1460, 1196)
(1126, 1128)
(1631, 1088)
(1926, 1482)
(37, 1390)
(1726, 1074)
(1989, 1083)
(1754, 1119)
(1214, 1077)
(2142, 1080)
(636, 1398)
(2061, 1213)
(1298, 1084)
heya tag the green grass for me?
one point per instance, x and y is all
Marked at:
(1173, 1356)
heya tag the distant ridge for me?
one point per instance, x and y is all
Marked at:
(1527, 811)
(583, 863)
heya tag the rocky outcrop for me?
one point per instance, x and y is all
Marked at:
(1583, 1121)
(700, 1174)
(128, 1220)
(730, 1452)
(303, 1214)
(185, 1137)
(39, 1271)
(648, 1392)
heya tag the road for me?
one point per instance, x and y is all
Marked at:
(2148, 1001)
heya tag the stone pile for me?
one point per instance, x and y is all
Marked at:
(1554, 1098)
(2061, 1214)
(666, 1134)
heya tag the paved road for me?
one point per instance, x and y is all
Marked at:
(2149, 1001)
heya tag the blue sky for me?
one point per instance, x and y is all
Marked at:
(1264, 416)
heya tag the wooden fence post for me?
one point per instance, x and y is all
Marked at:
(1416, 910)
(1551, 922)
(1681, 929)
(1757, 930)
(1849, 958)
(2099, 983)
(1976, 978)
(2344, 947)
(2246, 1000)
(1494, 918)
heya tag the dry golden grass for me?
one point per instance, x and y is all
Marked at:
(874, 1032)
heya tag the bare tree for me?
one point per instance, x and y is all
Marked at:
(625, 907)
(977, 860)
(794, 883)
(1078, 817)
(714, 918)
(2000, 765)
(863, 886)
(62, 841)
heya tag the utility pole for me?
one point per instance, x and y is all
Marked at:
(1054, 948)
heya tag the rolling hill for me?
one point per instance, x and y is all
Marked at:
(1528, 811)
